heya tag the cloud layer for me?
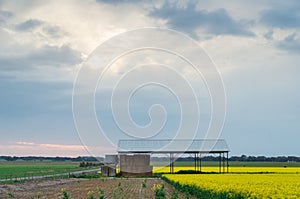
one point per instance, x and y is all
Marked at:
(189, 19)
(255, 45)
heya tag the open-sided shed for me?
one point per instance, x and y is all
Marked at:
(197, 147)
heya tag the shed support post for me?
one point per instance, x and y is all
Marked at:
(220, 162)
(195, 162)
(223, 162)
(227, 162)
(170, 163)
(200, 163)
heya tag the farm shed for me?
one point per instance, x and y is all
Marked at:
(135, 165)
(108, 170)
(196, 147)
(110, 164)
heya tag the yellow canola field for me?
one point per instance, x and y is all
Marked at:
(248, 185)
(291, 170)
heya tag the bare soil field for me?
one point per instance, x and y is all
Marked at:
(114, 188)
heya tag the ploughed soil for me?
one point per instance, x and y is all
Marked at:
(113, 188)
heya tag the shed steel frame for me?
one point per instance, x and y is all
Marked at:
(222, 151)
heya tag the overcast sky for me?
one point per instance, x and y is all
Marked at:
(254, 44)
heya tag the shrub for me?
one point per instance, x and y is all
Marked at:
(65, 194)
(144, 184)
(100, 193)
(90, 195)
(174, 195)
(10, 195)
(159, 190)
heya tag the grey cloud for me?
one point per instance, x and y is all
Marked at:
(118, 1)
(54, 55)
(46, 56)
(29, 25)
(282, 15)
(49, 29)
(269, 34)
(188, 19)
(5, 14)
(289, 44)
(53, 31)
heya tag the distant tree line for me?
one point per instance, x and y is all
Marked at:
(52, 159)
(90, 164)
(242, 158)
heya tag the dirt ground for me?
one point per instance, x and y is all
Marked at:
(114, 188)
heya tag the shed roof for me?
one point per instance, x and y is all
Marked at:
(173, 146)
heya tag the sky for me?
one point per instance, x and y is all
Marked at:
(254, 45)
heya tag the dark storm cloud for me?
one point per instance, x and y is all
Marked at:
(289, 44)
(46, 56)
(188, 19)
(283, 15)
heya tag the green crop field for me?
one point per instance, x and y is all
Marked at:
(22, 169)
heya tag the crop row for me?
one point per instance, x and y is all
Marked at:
(237, 185)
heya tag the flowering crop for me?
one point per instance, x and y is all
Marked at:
(243, 185)
(291, 170)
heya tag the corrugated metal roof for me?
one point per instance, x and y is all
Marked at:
(169, 146)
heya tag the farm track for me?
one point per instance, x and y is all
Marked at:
(129, 188)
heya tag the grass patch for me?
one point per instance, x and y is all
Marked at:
(25, 167)
(30, 169)
(88, 176)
